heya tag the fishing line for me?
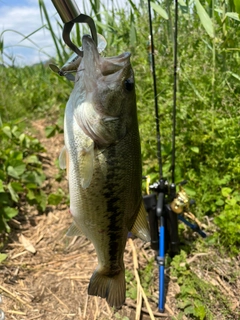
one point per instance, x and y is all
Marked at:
(159, 152)
(174, 90)
(174, 109)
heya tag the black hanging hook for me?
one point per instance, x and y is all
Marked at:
(70, 14)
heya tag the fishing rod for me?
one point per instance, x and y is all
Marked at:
(165, 206)
(160, 213)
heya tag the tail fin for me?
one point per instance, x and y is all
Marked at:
(113, 288)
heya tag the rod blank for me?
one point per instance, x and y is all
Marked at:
(67, 9)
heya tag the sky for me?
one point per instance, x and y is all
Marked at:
(19, 18)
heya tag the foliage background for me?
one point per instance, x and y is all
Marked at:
(207, 136)
(208, 117)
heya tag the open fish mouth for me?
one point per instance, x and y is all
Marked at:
(96, 66)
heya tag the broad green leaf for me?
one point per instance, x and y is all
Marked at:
(33, 177)
(12, 172)
(195, 149)
(22, 137)
(30, 195)
(16, 158)
(10, 212)
(205, 19)
(31, 186)
(226, 191)
(1, 186)
(16, 171)
(20, 169)
(50, 131)
(159, 10)
(32, 159)
(54, 199)
(17, 186)
(199, 311)
(232, 202)
(219, 202)
(15, 132)
(13, 193)
(3, 256)
(7, 131)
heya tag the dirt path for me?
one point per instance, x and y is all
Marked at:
(52, 282)
(46, 274)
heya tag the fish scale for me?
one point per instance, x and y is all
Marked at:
(103, 159)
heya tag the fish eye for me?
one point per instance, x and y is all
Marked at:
(129, 84)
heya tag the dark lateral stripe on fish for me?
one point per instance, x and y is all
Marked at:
(113, 201)
(113, 227)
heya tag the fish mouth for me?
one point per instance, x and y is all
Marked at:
(96, 66)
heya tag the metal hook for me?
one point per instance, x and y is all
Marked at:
(70, 14)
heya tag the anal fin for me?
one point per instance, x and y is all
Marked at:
(140, 227)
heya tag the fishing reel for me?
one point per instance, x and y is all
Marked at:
(165, 206)
(160, 213)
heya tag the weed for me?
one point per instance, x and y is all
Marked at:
(21, 174)
(197, 296)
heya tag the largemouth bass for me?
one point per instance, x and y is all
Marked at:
(103, 160)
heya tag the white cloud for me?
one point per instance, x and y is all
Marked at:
(20, 21)
(23, 19)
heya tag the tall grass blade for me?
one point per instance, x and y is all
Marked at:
(44, 13)
(237, 6)
(17, 32)
(135, 9)
(205, 19)
(32, 33)
(133, 33)
(236, 76)
(233, 15)
(159, 10)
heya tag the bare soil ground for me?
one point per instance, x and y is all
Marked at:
(46, 274)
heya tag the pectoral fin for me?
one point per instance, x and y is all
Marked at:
(86, 165)
(74, 230)
(140, 227)
(64, 159)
